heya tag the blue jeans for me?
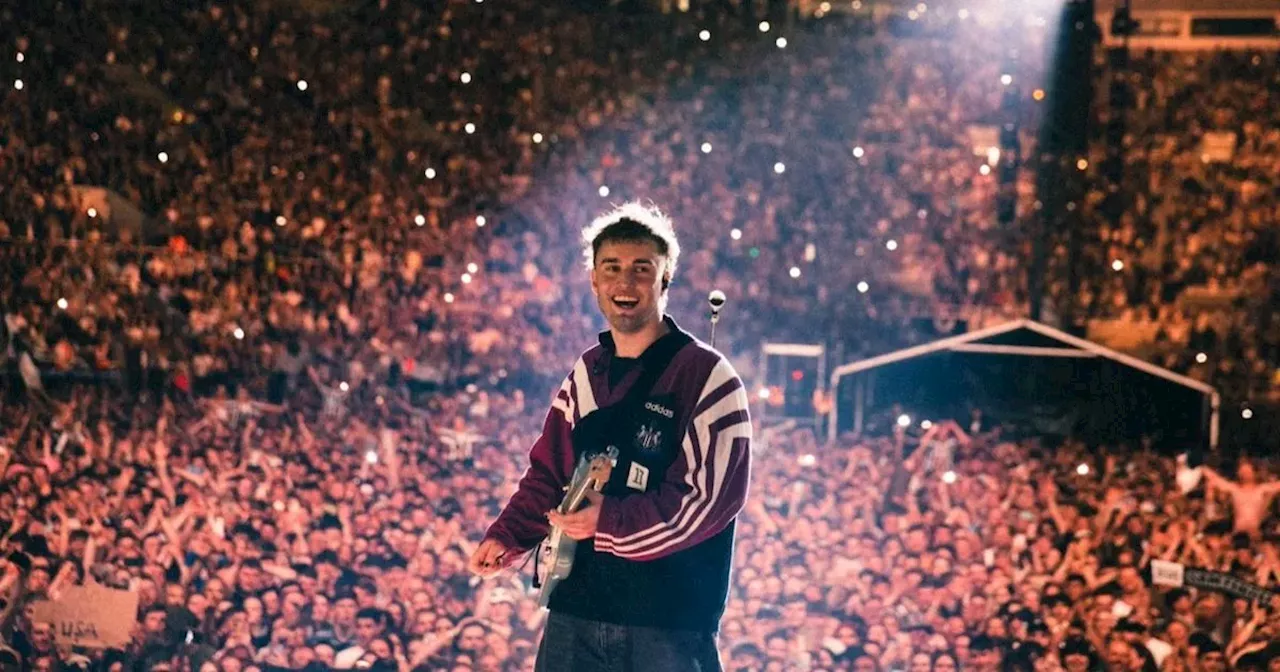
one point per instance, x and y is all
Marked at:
(571, 644)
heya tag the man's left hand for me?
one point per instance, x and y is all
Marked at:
(580, 524)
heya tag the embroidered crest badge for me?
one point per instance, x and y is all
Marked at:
(648, 438)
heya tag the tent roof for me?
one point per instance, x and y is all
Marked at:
(1021, 337)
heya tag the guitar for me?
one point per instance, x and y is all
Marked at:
(555, 554)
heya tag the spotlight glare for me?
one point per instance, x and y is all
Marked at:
(280, 220)
(985, 169)
(1247, 413)
(604, 191)
(62, 303)
(430, 173)
(302, 85)
(17, 84)
(863, 287)
(21, 57)
(706, 148)
(163, 157)
(1082, 164)
(763, 393)
(795, 271)
(419, 220)
(1117, 265)
(481, 221)
(891, 245)
(1083, 469)
(344, 386)
(466, 278)
(904, 420)
(926, 424)
(92, 212)
(963, 14)
(764, 26)
(781, 42)
(736, 234)
(807, 460)
(1038, 95)
(448, 297)
(858, 152)
(465, 78)
(469, 128)
(1006, 79)
(537, 138)
(779, 168)
(1201, 358)
(238, 333)
(704, 35)
(949, 477)
(472, 267)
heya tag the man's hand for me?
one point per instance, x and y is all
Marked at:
(489, 558)
(580, 524)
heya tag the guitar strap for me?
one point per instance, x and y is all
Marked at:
(592, 429)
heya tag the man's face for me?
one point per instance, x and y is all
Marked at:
(627, 283)
(986, 659)
(38, 579)
(1076, 662)
(300, 657)
(42, 636)
(248, 578)
(864, 664)
(1213, 661)
(344, 611)
(1130, 580)
(1118, 655)
(154, 622)
(174, 595)
(776, 647)
(423, 623)
(471, 638)
(366, 630)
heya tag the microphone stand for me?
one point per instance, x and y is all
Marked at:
(715, 317)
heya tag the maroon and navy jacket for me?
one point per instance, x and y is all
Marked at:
(663, 547)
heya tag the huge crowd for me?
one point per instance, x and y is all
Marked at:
(282, 408)
(1198, 240)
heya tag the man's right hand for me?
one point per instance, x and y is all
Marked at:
(489, 558)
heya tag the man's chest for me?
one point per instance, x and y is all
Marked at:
(647, 434)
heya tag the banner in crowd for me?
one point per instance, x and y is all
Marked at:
(91, 615)
(983, 138)
(1218, 146)
(1175, 575)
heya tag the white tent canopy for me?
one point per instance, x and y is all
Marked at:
(1071, 346)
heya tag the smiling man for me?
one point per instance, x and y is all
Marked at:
(651, 570)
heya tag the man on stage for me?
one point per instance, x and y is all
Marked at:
(651, 571)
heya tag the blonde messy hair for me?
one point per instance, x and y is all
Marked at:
(632, 221)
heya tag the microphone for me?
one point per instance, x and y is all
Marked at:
(716, 298)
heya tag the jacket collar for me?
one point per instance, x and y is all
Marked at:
(663, 348)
